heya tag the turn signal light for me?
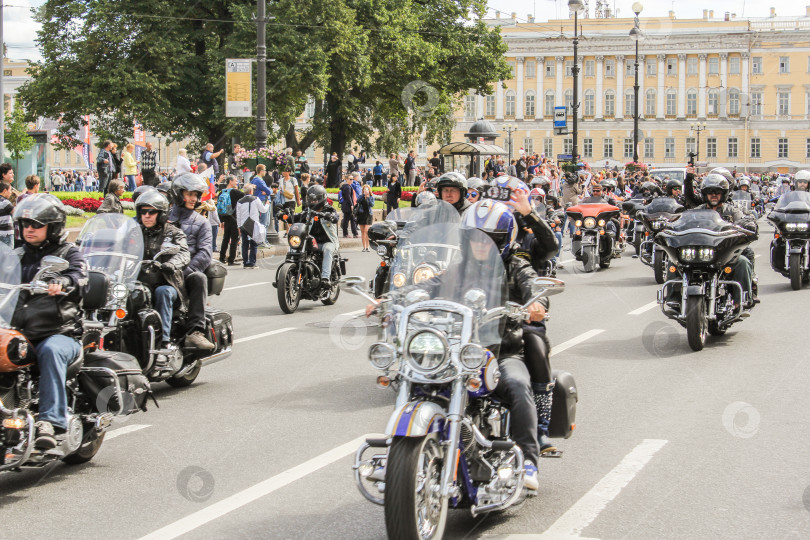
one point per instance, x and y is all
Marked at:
(577, 233)
(284, 216)
(776, 235)
(727, 270)
(473, 384)
(14, 423)
(315, 218)
(672, 269)
(383, 381)
(573, 427)
(120, 313)
(602, 232)
(382, 264)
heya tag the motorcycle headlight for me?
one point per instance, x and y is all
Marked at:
(119, 291)
(589, 223)
(472, 356)
(578, 223)
(294, 241)
(792, 227)
(427, 352)
(398, 280)
(705, 254)
(381, 355)
(802, 226)
(688, 254)
(422, 273)
(601, 222)
(382, 251)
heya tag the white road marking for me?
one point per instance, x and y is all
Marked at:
(566, 261)
(353, 313)
(758, 255)
(592, 503)
(259, 336)
(565, 345)
(247, 496)
(244, 286)
(642, 309)
(123, 431)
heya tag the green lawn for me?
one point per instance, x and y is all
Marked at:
(74, 222)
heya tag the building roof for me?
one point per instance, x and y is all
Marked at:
(457, 148)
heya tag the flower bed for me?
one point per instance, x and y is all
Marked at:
(80, 195)
(86, 205)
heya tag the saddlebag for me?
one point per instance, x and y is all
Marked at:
(216, 273)
(220, 323)
(97, 381)
(563, 406)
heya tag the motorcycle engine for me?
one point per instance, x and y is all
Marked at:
(74, 434)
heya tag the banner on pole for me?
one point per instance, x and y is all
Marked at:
(238, 87)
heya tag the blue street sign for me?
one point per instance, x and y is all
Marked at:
(565, 157)
(560, 117)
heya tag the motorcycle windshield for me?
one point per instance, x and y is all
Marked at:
(401, 216)
(794, 200)
(703, 218)
(742, 196)
(113, 244)
(663, 205)
(9, 279)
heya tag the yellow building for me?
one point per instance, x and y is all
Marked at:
(747, 79)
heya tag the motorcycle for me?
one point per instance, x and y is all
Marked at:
(656, 216)
(384, 235)
(448, 442)
(703, 246)
(99, 385)
(790, 248)
(112, 244)
(745, 202)
(593, 243)
(299, 276)
(635, 227)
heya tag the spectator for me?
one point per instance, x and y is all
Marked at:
(410, 169)
(58, 181)
(393, 165)
(112, 201)
(436, 162)
(7, 174)
(351, 162)
(148, 163)
(6, 209)
(290, 191)
(209, 157)
(394, 194)
(348, 199)
(368, 179)
(130, 166)
(233, 165)
(365, 214)
(261, 191)
(512, 169)
(520, 167)
(116, 161)
(31, 187)
(301, 166)
(304, 187)
(357, 186)
(249, 211)
(277, 204)
(183, 164)
(290, 165)
(334, 171)
(378, 174)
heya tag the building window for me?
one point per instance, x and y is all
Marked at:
(490, 105)
(589, 100)
(672, 102)
(589, 68)
(652, 68)
(530, 103)
(672, 66)
(528, 145)
(734, 65)
(421, 147)
(628, 148)
(549, 103)
(568, 146)
(607, 144)
(610, 103)
(711, 147)
(714, 102)
(309, 111)
(755, 148)
(756, 65)
(469, 107)
(782, 148)
(610, 68)
(808, 64)
(783, 102)
(691, 103)
(649, 148)
(6, 73)
(550, 69)
(734, 102)
(510, 103)
(587, 148)
(714, 66)
(691, 146)
(629, 68)
(807, 103)
(784, 64)
(756, 103)
(629, 103)
(669, 147)
(530, 69)
(649, 104)
(732, 147)
(691, 66)
(548, 147)
(807, 149)
(569, 68)
(511, 69)
(569, 101)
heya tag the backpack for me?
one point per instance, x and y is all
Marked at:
(224, 206)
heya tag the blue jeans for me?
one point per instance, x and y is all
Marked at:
(214, 231)
(54, 354)
(165, 297)
(130, 182)
(249, 248)
(328, 250)
(558, 235)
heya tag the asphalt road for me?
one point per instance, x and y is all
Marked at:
(669, 443)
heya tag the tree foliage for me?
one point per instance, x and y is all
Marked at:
(17, 140)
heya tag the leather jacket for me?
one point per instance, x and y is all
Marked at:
(153, 240)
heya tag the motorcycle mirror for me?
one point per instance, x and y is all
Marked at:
(550, 285)
(353, 284)
(51, 263)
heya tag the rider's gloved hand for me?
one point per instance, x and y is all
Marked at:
(56, 284)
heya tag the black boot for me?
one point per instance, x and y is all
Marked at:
(543, 396)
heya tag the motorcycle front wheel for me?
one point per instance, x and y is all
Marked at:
(414, 507)
(289, 291)
(590, 258)
(696, 324)
(658, 267)
(795, 271)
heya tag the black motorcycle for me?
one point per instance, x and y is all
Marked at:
(299, 276)
(384, 235)
(634, 231)
(790, 248)
(656, 216)
(703, 246)
(113, 247)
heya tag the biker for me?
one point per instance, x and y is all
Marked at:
(452, 189)
(187, 191)
(50, 321)
(475, 189)
(612, 226)
(426, 198)
(547, 213)
(674, 189)
(744, 185)
(802, 180)
(165, 278)
(324, 230)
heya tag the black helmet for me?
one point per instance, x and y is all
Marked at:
(316, 197)
(452, 179)
(672, 185)
(715, 181)
(156, 200)
(188, 182)
(725, 173)
(650, 188)
(140, 190)
(541, 182)
(165, 188)
(45, 209)
(608, 184)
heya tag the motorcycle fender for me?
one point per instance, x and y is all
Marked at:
(796, 248)
(588, 240)
(694, 290)
(416, 419)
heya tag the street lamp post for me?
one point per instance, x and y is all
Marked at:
(158, 157)
(697, 127)
(635, 35)
(510, 128)
(576, 6)
(261, 74)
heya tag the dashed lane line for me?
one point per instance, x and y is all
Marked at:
(259, 336)
(245, 286)
(112, 434)
(565, 345)
(642, 309)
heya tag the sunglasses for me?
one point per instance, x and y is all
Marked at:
(26, 223)
(148, 212)
(472, 193)
(714, 192)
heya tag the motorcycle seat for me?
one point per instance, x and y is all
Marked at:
(75, 366)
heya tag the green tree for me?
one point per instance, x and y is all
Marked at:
(17, 139)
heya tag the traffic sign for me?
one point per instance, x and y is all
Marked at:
(564, 157)
(560, 117)
(238, 87)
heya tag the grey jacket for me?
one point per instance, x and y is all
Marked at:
(198, 235)
(111, 205)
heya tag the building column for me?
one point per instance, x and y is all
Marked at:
(499, 100)
(480, 106)
(540, 100)
(702, 89)
(723, 84)
(641, 97)
(745, 88)
(620, 87)
(519, 97)
(599, 98)
(560, 97)
(681, 86)
(661, 109)
(580, 94)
